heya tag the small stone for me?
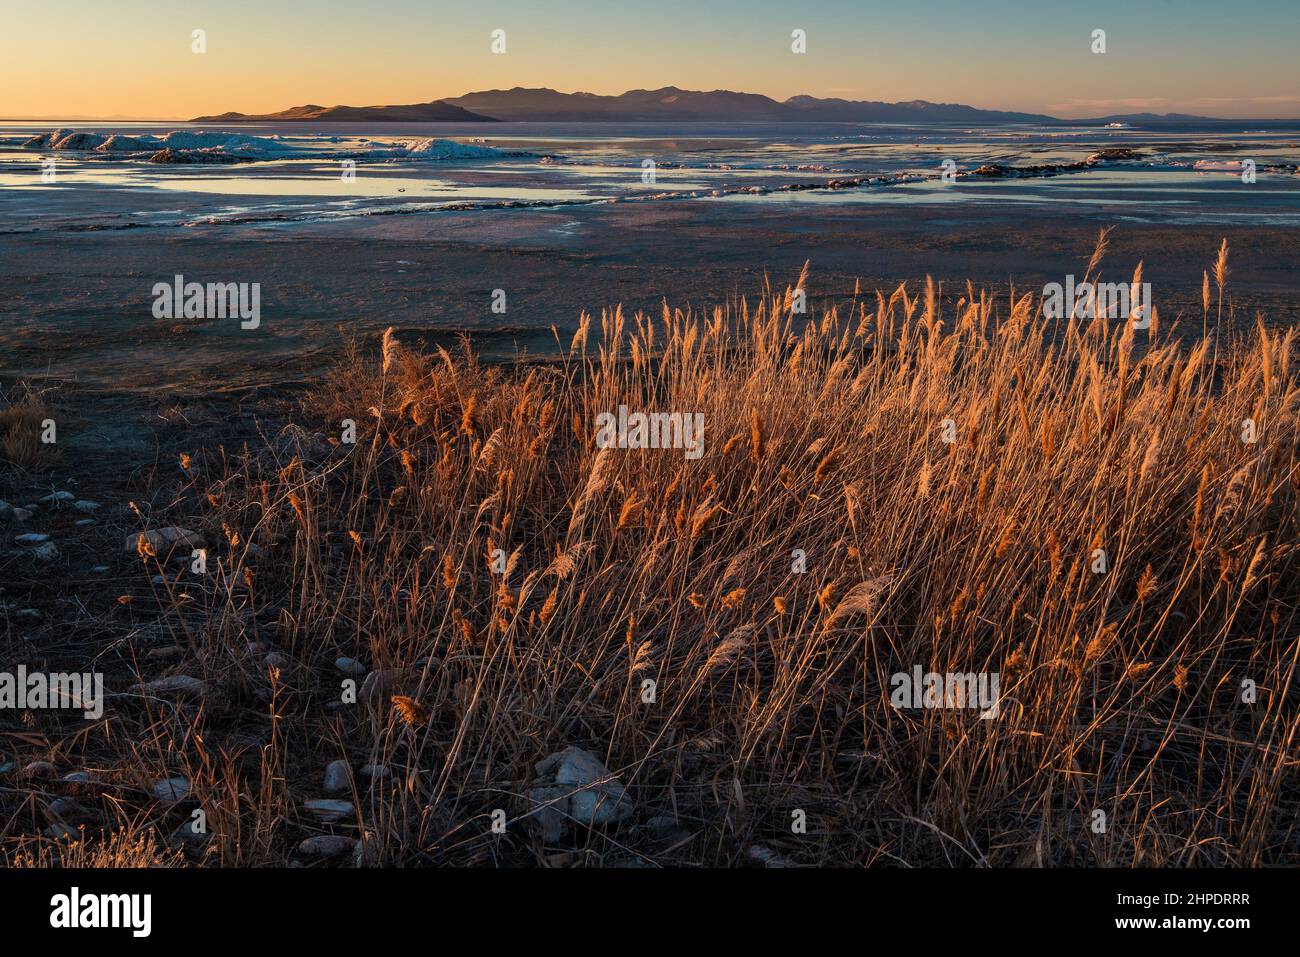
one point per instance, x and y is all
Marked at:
(372, 771)
(350, 666)
(379, 687)
(183, 685)
(22, 514)
(65, 809)
(330, 810)
(171, 790)
(85, 522)
(85, 505)
(31, 538)
(327, 846)
(58, 498)
(278, 661)
(165, 652)
(165, 539)
(61, 832)
(27, 614)
(573, 784)
(188, 833)
(46, 552)
(38, 770)
(99, 569)
(338, 777)
(661, 824)
(83, 782)
(159, 580)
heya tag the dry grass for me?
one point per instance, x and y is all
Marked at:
(1121, 691)
(22, 418)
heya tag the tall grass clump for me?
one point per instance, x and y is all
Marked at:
(1106, 518)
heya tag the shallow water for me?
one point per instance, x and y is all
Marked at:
(422, 244)
(599, 163)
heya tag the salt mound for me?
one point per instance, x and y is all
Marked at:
(226, 142)
(117, 143)
(65, 140)
(449, 149)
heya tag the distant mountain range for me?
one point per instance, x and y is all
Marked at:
(541, 105)
(439, 111)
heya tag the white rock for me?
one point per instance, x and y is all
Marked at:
(330, 810)
(58, 498)
(338, 777)
(574, 785)
(183, 685)
(171, 790)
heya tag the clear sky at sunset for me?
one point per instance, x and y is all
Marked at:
(133, 57)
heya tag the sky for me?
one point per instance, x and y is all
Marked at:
(133, 58)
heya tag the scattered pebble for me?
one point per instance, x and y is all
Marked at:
(328, 846)
(31, 538)
(58, 498)
(85, 522)
(338, 777)
(171, 790)
(38, 770)
(85, 505)
(99, 569)
(350, 666)
(187, 833)
(46, 552)
(164, 539)
(330, 810)
(65, 809)
(277, 661)
(575, 785)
